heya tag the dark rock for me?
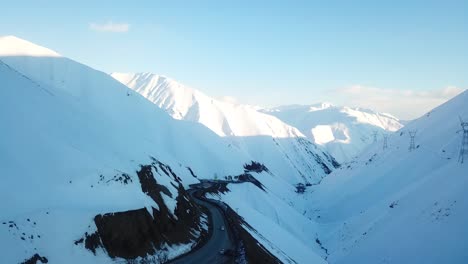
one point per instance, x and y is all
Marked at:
(300, 188)
(92, 242)
(191, 172)
(34, 259)
(138, 233)
(79, 241)
(255, 167)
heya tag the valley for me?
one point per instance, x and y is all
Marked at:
(139, 168)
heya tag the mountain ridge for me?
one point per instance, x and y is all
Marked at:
(263, 137)
(82, 154)
(343, 131)
(14, 46)
(414, 196)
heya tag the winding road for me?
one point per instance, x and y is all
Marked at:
(219, 239)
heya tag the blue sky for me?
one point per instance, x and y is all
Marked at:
(265, 52)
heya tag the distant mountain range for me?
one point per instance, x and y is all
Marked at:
(343, 131)
(397, 205)
(85, 161)
(260, 136)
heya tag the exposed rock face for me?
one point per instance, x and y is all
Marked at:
(255, 167)
(35, 258)
(128, 234)
(138, 233)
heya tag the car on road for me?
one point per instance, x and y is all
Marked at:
(227, 252)
(222, 228)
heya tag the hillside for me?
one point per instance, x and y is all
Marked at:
(396, 205)
(75, 146)
(264, 138)
(343, 131)
(87, 164)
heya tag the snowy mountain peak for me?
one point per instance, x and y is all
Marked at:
(140, 76)
(416, 197)
(263, 137)
(301, 108)
(183, 102)
(150, 82)
(344, 131)
(320, 106)
(14, 46)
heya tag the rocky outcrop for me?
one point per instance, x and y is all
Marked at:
(35, 258)
(138, 233)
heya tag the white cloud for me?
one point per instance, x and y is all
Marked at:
(405, 104)
(110, 27)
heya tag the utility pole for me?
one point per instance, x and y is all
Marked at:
(375, 136)
(412, 135)
(464, 144)
(385, 145)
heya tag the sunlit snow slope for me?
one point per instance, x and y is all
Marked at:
(13, 46)
(343, 131)
(264, 138)
(67, 134)
(400, 206)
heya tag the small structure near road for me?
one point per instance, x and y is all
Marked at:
(300, 188)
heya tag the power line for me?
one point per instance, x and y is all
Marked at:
(375, 136)
(464, 144)
(412, 134)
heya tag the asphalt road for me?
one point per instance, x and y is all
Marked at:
(209, 252)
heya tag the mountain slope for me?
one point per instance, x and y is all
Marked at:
(343, 131)
(282, 148)
(87, 164)
(72, 142)
(396, 205)
(13, 46)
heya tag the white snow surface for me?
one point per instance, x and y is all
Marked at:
(63, 125)
(396, 205)
(13, 46)
(343, 131)
(262, 137)
(67, 130)
(224, 118)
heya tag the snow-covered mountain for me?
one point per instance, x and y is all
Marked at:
(13, 46)
(343, 131)
(396, 205)
(72, 140)
(264, 138)
(87, 164)
(85, 161)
